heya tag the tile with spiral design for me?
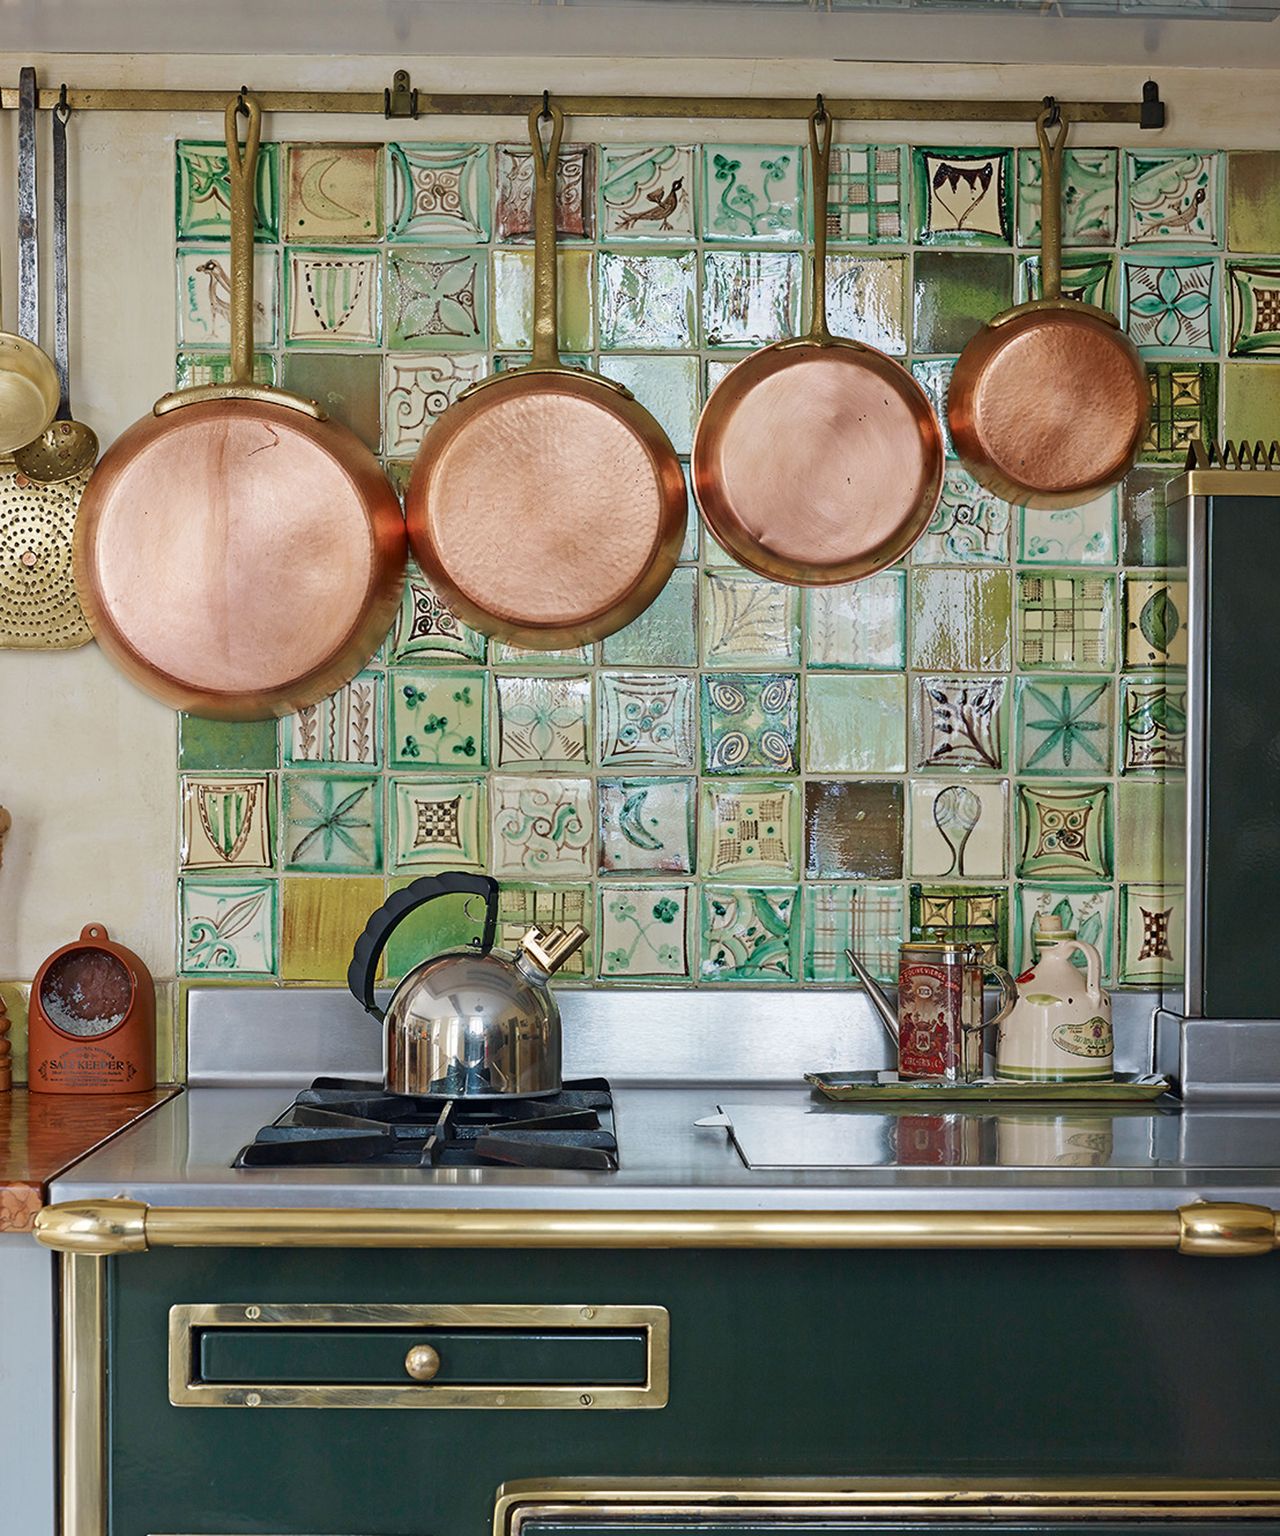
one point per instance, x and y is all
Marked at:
(542, 828)
(750, 722)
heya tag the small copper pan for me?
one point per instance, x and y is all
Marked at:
(237, 554)
(547, 506)
(818, 460)
(1048, 403)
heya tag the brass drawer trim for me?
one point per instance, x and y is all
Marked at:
(185, 1391)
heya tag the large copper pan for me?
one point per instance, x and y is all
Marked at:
(237, 554)
(546, 505)
(818, 460)
(1048, 403)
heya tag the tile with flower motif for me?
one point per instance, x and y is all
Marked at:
(1255, 309)
(960, 620)
(511, 310)
(667, 387)
(665, 634)
(228, 927)
(542, 721)
(750, 829)
(962, 915)
(344, 728)
(1064, 831)
(748, 621)
(1066, 620)
(647, 299)
(933, 375)
(439, 192)
(867, 194)
(1253, 218)
(954, 294)
(645, 720)
(504, 652)
(1064, 725)
(575, 191)
(226, 821)
(958, 722)
(1184, 407)
(1152, 932)
(204, 296)
(425, 629)
(421, 389)
(753, 192)
(646, 192)
(1086, 278)
(959, 831)
(962, 196)
(1173, 197)
(333, 192)
(1152, 534)
(750, 722)
(204, 192)
(1090, 196)
(1170, 307)
(853, 829)
(438, 824)
(750, 933)
(867, 299)
(646, 826)
(331, 823)
(1154, 723)
(437, 719)
(750, 298)
(868, 919)
(348, 385)
(1070, 535)
(1155, 622)
(521, 907)
(436, 299)
(969, 527)
(320, 920)
(194, 368)
(861, 625)
(644, 932)
(1088, 910)
(542, 827)
(855, 722)
(333, 298)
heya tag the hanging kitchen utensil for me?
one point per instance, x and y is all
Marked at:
(1048, 403)
(28, 379)
(546, 505)
(817, 460)
(238, 554)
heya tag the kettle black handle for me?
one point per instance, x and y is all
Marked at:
(393, 911)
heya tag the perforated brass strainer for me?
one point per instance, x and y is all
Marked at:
(39, 609)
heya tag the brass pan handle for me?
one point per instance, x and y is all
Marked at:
(242, 173)
(546, 161)
(1051, 154)
(821, 129)
(422, 1362)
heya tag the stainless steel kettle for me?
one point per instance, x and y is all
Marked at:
(474, 1023)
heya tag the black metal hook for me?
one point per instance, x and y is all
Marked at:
(820, 111)
(62, 111)
(1055, 114)
(242, 106)
(546, 106)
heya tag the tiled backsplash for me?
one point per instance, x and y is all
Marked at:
(750, 775)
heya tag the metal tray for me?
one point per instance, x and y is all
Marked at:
(865, 1087)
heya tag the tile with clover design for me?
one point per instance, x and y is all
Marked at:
(438, 719)
(753, 192)
(644, 932)
(1084, 535)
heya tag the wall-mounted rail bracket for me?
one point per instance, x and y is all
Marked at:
(402, 98)
(1152, 106)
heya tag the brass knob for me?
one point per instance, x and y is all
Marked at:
(422, 1362)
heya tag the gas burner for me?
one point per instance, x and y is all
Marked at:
(340, 1123)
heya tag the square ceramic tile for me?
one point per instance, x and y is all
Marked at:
(1254, 289)
(1088, 279)
(1066, 620)
(647, 300)
(960, 620)
(954, 294)
(1064, 724)
(504, 653)
(644, 932)
(438, 824)
(333, 298)
(226, 821)
(962, 915)
(512, 306)
(958, 722)
(333, 192)
(867, 299)
(959, 831)
(1152, 534)
(667, 387)
(437, 719)
(1088, 909)
(320, 920)
(227, 745)
(753, 192)
(750, 933)
(1155, 622)
(646, 826)
(203, 208)
(194, 368)
(934, 376)
(439, 192)
(645, 720)
(1064, 831)
(436, 299)
(228, 927)
(855, 722)
(646, 192)
(666, 633)
(1251, 401)
(1184, 407)
(426, 630)
(331, 823)
(750, 829)
(542, 827)
(1152, 933)
(204, 296)
(748, 621)
(969, 527)
(1170, 306)
(750, 723)
(575, 191)
(1153, 713)
(542, 721)
(962, 196)
(853, 829)
(861, 625)
(867, 919)
(1089, 197)
(344, 728)
(1150, 831)
(1173, 197)
(419, 390)
(1253, 219)
(1084, 535)
(347, 385)
(750, 298)
(867, 194)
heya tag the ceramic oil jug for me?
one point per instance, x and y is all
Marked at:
(1060, 1027)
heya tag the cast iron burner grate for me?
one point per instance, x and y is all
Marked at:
(343, 1124)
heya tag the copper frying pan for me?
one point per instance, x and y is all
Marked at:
(1048, 403)
(818, 460)
(238, 554)
(546, 505)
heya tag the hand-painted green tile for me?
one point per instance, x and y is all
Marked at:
(646, 825)
(959, 722)
(1173, 197)
(1251, 402)
(1083, 535)
(853, 829)
(753, 192)
(861, 625)
(750, 933)
(436, 299)
(438, 824)
(226, 821)
(855, 722)
(512, 307)
(1064, 725)
(426, 630)
(1254, 289)
(1089, 910)
(867, 194)
(1153, 921)
(748, 621)
(1170, 305)
(542, 722)
(1064, 831)
(645, 720)
(348, 387)
(865, 918)
(666, 633)
(959, 831)
(1066, 620)
(1087, 278)
(333, 297)
(194, 368)
(542, 827)
(203, 203)
(933, 374)
(1152, 536)
(439, 193)
(225, 744)
(437, 719)
(420, 388)
(960, 620)
(750, 723)
(954, 294)
(1090, 197)
(345, 727)
(204, 297)
(333, 192)
(962, 196)
(1184, 408)
(1253, 215)
(1150, 832)
(969, 527)
(867, 299)
(644, 932)
(667, 387)
(575, 191)
(750, 829)
(228, 927)
(750, 298)
(647, 299)
(1153, 714)
(646, 192)
(1155, 621)
(331, 823)
(963, 915)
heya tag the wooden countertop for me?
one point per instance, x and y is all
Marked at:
(42, 1134)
